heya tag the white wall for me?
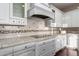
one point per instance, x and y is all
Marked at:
(58, 14)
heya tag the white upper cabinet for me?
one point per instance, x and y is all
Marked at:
(13, 13)
(72, 18)
(28, 6)
(17, 10)
(4, 13)
(75, 18)
(67, 19)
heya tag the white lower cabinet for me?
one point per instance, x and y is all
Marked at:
(24, 50)
(6, 51)
(19, 50)
(9, 54)
(45, 48)
(25, 53)
(50, 53)
(42, 48)
(60, 42)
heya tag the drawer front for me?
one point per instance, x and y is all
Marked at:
(45, 46)
(49, 54)
(44, 43)
(6, 51)
(24, 52)
(22, 47)
(41, 50)
(9, 54)
(28, 53)
(41, 43)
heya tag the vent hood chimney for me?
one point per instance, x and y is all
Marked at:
(40, 10)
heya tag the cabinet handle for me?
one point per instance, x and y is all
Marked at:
(25, 46)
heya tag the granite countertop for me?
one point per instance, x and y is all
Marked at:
(4, 43)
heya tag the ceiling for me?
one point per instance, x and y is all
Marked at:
(66, 6)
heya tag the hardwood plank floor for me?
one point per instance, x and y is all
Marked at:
(67, 52)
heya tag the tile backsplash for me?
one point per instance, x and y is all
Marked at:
(32, 24)
(35, 26)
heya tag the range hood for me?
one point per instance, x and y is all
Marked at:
(40, 10)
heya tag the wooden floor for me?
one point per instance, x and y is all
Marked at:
(67, 52)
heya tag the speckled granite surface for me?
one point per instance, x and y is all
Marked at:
(21, 40)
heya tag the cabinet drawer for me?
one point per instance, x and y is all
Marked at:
(43, 43)
(45, 46)
(23, 46)
(9, 54)
(24, 52)
(24, 49)
(50, 53)
(6, 51)
(28, 53)
(41, 50)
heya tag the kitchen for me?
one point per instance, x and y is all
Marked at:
(39, 29)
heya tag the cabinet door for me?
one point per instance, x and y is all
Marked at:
(18, 14)
(58, 44)
(41, 50)
(64, 41)
(51, 45)
(28, 6)
(45, 47)
(68, 19)
(77, 18)
(4, 13)
(17, 10)
(6, 51)
(74, 18)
